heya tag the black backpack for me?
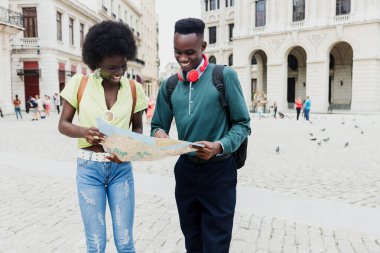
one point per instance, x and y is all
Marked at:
(240, 155)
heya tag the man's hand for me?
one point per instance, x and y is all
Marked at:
(160, 134)
(209, 150)
(92, 135)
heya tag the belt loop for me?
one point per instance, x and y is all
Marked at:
(91, 153)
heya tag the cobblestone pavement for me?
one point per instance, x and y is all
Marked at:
(39, 210)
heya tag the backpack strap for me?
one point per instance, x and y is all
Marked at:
(82, 87)
(218, 81)
(133, 90)
(171, 83)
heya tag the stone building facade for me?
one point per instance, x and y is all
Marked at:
(11, 23)
(326, 49)
(48, 52)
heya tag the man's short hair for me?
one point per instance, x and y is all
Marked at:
(190, 25)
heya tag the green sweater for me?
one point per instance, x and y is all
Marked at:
(199, 114)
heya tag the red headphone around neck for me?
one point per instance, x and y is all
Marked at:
(194, 74)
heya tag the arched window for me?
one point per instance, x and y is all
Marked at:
(212, 59)
(253, 60)
(292, 62)
(231, 60)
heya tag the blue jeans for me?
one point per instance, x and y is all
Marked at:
(18, 112)
(97, 181)
(306, 111)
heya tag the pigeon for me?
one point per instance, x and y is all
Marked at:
(311, 134)
(343, 123)
(362, 132)
(319, 143)
(313, 139)
(346, 145)
(326, 139)
(356, 126)
(323, 129)
(278, 149)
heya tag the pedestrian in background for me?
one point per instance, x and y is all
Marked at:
(275, 110)
(35, 105)
(47, 105)
(107, 48)
(17, 104)
(1, 112)
(306, 109)
(206, 180)
(298, 104)
(57, 102)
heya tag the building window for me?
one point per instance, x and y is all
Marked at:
(253, 60)
(59, 26)
(30, 22)
(231, 60)
(212, 35)
(260, 13)
(298, 10)
(230, 3)
(343, 7)
(231, 31)
(213, 4)
(81, 34)
(212, 59)
(206, 5)
(71, 31)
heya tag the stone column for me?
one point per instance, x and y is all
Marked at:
(317, 85)
(5, 74)
(365, 86)
(276, 85)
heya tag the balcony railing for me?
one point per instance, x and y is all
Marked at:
(10, 17)
(29, 42)
(258, 29)
(342, 18)
(297, 24)
(28, 72)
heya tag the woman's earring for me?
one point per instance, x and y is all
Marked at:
(97, 74)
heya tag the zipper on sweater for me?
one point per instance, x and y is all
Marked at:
(190, 97)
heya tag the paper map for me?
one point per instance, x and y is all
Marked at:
(130, 146)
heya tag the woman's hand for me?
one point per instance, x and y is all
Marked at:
(160, 134)
(114, 158)
(93, 135)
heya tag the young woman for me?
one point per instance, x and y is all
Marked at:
(17, 106)
(108, 94)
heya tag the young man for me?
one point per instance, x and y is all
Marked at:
(206, 179)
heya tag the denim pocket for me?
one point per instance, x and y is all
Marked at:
(81, 162)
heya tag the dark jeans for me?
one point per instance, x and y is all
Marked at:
(206, 199)
(58, 108)
(298, 112)
(306, 111)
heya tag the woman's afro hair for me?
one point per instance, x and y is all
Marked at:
(105, 39)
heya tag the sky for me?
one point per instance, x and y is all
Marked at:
(169, 11)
